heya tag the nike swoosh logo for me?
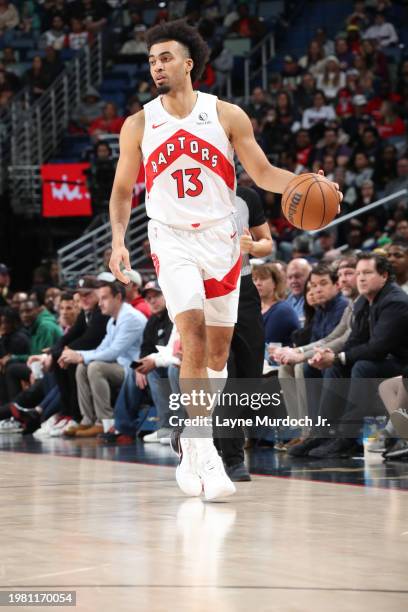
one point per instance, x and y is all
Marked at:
(158, 125)
(233, 235)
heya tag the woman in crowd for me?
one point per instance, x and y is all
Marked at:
(280, 319)
(313, 61)
(333, 78)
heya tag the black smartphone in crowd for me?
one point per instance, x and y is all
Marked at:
(135, 364)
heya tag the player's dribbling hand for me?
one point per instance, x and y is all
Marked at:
(337, 187)
(120, 255)
(246, 242)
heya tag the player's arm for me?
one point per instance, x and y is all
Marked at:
(257, 241)
(127, 170)
(264, 174)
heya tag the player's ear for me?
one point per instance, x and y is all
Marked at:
(189, 64)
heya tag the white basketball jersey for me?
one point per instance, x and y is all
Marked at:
(189, 165)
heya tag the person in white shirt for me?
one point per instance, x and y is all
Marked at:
(318, 113)
(78, 37)
(382, 31)
(54, 37)
(136, 45)
(333, 79)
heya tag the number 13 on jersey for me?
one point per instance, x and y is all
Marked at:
(188, 182)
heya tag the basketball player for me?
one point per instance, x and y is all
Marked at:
(186, 141)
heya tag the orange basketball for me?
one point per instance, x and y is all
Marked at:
(310, 202)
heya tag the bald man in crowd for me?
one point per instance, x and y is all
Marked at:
(297, 273)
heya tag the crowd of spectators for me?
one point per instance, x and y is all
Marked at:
(37, 37)
(341, 107)
(82, 362)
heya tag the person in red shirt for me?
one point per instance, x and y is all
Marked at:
(133, 295)
(108, 123)
(389, 124)
(246, 25)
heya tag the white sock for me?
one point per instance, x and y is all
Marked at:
(201, 435)
(218, 379)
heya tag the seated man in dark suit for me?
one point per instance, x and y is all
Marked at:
(377, 348)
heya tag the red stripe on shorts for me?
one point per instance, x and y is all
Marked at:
(214, 288)
(156, 263)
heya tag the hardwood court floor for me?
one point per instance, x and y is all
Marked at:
(124, 538)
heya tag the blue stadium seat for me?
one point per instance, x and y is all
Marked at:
(129, 70)
(270, 9)
(238, 46)
(67, 54)
(33, 52)
(24, 43)
(114, 85)
(116, 97)
(149, 15)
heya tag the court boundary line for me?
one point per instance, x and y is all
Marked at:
(204, 586)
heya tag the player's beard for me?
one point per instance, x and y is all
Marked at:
(163, 89)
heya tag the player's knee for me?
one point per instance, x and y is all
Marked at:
(217, 357)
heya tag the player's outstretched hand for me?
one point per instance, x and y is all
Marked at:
(120, 255)
(337, 187)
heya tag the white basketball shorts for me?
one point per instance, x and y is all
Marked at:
(199, 269)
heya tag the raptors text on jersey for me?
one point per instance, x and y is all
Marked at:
(189, 165)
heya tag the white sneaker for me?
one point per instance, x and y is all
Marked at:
(58, 430)
(399, 419)
(10, 426)
(216, 483)
(161, 436)
(46, 426)
(186, 472)
(151, 438)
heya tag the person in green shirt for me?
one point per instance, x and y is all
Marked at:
(43, 331)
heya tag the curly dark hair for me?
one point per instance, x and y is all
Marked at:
(187, 36)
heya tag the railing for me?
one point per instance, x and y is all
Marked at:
(26, 189)
(363, 209)
(19, 104)
(266, 49)
(85, 255)
(38, 128)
